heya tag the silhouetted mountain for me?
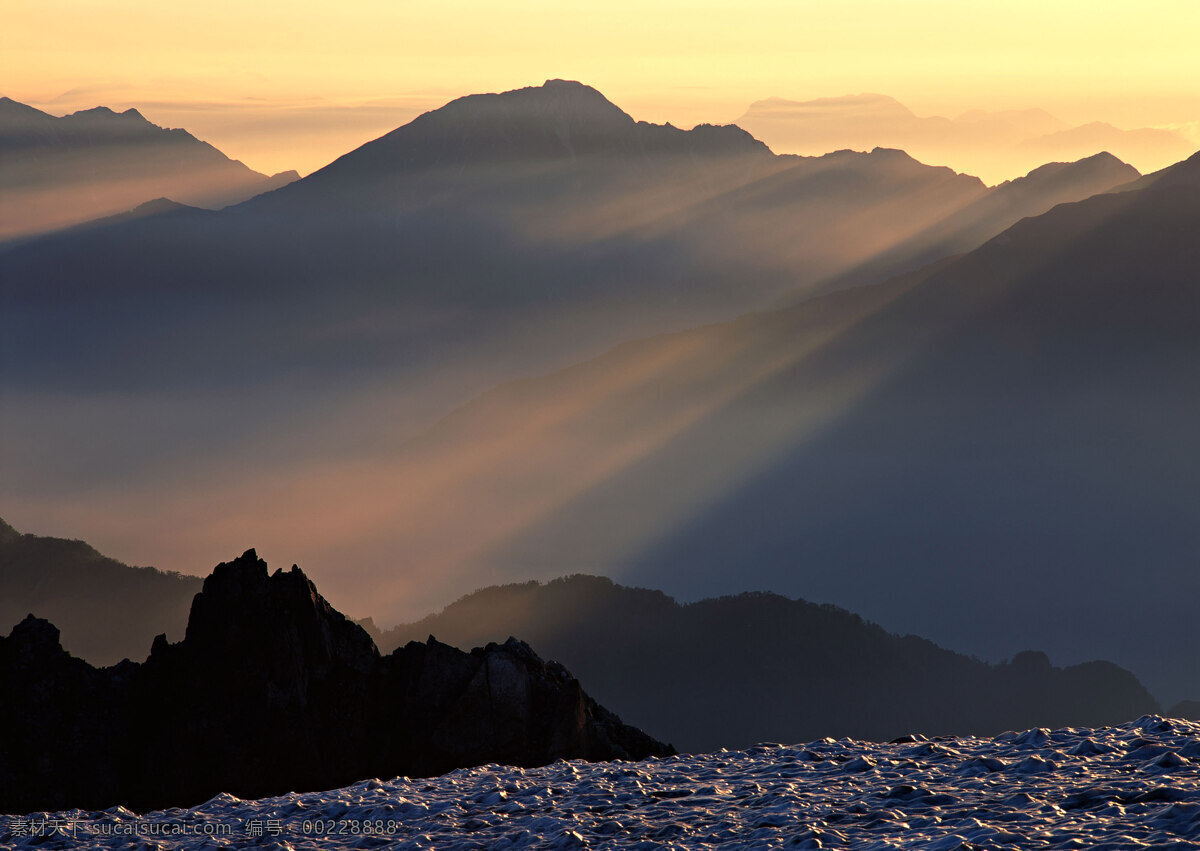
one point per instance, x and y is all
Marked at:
(108, 610)
(56, 172)
(273, 691)
(733, 671)
(987, 452)
(993, 145)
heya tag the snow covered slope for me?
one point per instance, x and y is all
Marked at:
(1126, 787)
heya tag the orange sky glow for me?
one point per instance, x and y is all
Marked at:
(294, 85)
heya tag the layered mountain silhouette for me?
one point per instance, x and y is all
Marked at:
(724, 672)
(991, 452)
(502, 235)
(272, 691)
(538, 225)
(994, 145)
(108, 611)
(56, 172)
(734, 671)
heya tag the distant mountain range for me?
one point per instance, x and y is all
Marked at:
(502, 235)
(56, 172)
(993, 145)
(734, 671)
(531, 227)
(722, 672)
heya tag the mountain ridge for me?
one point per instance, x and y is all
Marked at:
(774, 669)
(62, 171)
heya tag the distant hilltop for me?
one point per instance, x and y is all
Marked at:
(56, 172)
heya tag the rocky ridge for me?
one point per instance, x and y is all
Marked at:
(271, 691)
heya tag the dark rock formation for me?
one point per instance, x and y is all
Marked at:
(272, 690)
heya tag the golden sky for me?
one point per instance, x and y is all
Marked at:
(293, 84)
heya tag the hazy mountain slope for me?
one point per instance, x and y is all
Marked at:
(994, 145)
(733, 671)
(55, 172)
(107, 611)
(992, 453)
(1002, 207)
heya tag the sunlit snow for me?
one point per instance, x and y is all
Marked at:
(1133, 786)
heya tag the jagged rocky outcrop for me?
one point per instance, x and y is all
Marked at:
(272, 690)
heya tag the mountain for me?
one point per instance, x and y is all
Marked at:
(108, 610)
(994, 145)
(271, 691)
(539, 226)
(150, 361)
(56, 172)
(1002, 207)
(991, 452)
(734, 671)
(505, 219)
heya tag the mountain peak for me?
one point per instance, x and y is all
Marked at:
(567, 99)
(568, 85)
(561, 119)
(98, 111)
(128, 118)
(241, 600)
(1101, 163)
